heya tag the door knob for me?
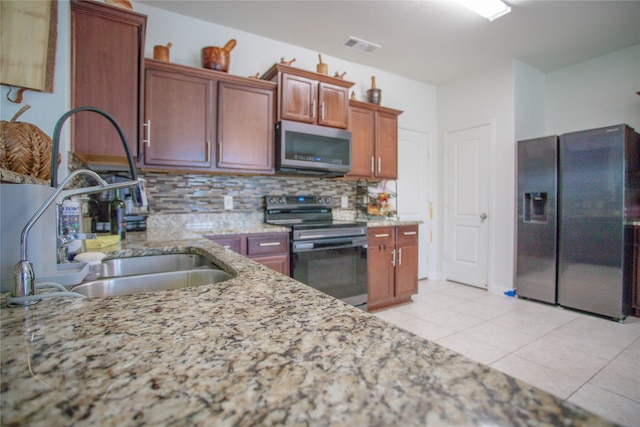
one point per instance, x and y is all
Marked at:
(483, 216)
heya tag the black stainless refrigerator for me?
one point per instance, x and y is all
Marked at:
(537, 219)
(598, 199)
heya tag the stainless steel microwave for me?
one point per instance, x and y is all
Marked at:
(307, 149)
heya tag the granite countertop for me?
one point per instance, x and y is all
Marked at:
(391, 223)
(259, 349)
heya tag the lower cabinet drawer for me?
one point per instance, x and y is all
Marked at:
(267, 245)
(270, 249)
(232, 243)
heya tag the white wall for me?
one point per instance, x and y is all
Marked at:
(255, 54)
(525, 103)
(529, 97)
(596, 93)
(46, 108)
(488, 98)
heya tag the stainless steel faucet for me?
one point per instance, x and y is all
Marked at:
(23, 274)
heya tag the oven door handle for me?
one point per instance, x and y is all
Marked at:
(323, 246)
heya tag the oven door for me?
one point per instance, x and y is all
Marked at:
(336, 266)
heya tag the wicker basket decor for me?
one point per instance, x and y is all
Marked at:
(24, 148)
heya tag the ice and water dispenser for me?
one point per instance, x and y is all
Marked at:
(535, 207)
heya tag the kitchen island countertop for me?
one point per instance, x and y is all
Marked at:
(259, 349)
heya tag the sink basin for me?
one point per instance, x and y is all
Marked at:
(149, 264)
(127, 285)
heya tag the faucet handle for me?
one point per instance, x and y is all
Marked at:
(139, 194)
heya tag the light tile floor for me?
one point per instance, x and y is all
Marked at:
(584, 359)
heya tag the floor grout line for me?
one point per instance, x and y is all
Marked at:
(533, 309)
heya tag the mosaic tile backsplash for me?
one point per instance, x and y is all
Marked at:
(171, 193)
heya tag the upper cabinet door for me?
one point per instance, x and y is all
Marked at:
(374, 141)
(245, 127)
(308, 97)
(179, 112)
(387, 145)
(362, 127)
(107, 54)
(298, 99)
(333, 105)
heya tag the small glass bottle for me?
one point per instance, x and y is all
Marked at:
(118, 223)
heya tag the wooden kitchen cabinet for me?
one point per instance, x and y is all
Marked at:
(309, 97)
(374, 141)
(107, 64)
(203, 120)
(245, 127)
(178, 119)
(270, 249)
(392, 265)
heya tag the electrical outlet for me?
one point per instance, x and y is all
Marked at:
(344, 202)
(228, 203)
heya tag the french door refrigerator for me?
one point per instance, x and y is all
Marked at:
(537, 219)
(598, 198)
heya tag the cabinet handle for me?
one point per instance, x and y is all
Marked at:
(372, 164)
(382, 235)
(147, 125)
(322, 111)
(409, 233)
(270, 244)
(379, 164)
(208, 153)
(313, 109)
(400, 256)
(227, 246)
(393, 259)
(219, 151)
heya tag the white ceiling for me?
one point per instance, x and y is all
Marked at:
(433, 41)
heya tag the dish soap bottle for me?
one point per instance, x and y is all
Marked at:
(117, 221)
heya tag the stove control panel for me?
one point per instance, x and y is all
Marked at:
(298, 201)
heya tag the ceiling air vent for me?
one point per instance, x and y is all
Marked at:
(361, 45)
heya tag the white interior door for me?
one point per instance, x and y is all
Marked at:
(467, 205)
(413, 197)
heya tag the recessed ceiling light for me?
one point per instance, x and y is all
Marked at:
(361, 45)
(490, 9)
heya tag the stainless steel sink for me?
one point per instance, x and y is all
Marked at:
(149, 264)
(141, 283)
(151, 273)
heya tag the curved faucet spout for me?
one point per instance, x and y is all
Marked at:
(55, 144)
(24, 277)
(50, 200)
